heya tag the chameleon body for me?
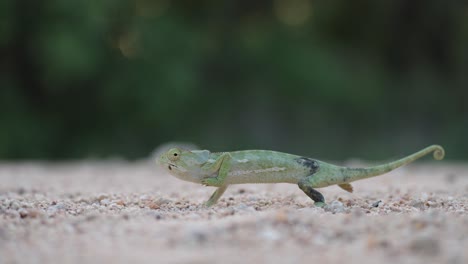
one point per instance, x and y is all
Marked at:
(222, 169)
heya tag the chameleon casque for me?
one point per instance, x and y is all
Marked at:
(263, 166)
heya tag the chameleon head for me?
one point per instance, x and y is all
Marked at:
(184, 164)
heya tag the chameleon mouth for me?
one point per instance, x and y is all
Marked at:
(170, 166)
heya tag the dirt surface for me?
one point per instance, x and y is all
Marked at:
(119, 212)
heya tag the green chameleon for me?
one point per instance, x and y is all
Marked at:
(263, 166)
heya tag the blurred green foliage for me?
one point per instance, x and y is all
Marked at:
(328, 79)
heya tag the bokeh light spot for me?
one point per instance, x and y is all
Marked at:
(293, 12)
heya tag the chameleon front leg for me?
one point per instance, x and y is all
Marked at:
(216, 195)
(222, 165)
(307, 187)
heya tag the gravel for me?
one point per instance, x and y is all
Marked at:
(117, 211)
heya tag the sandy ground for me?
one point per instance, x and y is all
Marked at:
(120, 212)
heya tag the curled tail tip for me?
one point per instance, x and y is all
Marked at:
(439, 152)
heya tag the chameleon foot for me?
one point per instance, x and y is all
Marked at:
(306, 187)
(320, 204)
(208, 203)
(215, 196)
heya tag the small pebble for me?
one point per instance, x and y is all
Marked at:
(119, 202)
(162, 201)
(144, 197)
(23, 212)
(102, 196)
(335, 207)
(376, 204)
(418, 204)
(14, 205)
(33, 213)
(153, 205)
(54, 209)
(105, 201)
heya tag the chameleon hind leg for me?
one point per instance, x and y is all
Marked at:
(308, 189)
(216, 195)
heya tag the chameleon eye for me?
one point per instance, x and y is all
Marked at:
(173, 154)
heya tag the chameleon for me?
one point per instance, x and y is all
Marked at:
(221, 169)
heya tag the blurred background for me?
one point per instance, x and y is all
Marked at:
(327, 79)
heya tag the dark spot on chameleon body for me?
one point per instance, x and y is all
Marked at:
(311, 164)
(169, 167)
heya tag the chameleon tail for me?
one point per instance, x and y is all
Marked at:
(353, 174)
